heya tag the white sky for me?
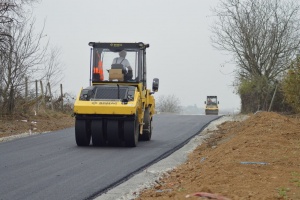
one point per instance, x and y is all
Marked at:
(180, 54)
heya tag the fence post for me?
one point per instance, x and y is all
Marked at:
(269, 110)
(50, 95)
(26, 88)
(11, 102)
(62, 97)
(42, 91)
(36, 95)
(272, 99)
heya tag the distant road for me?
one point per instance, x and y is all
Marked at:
(51, 166)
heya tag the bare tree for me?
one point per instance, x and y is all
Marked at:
(53, 67)
(11, 12)
(23, 55)
(23, 59)
(262, 35)
(168, 103)
(52, 75)
(5, 20)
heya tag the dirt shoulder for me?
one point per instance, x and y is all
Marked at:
(257, 158)
(20, 126)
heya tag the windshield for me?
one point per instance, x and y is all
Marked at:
(121, 66)
(211, 101)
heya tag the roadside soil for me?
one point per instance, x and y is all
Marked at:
(23, 125)
(257, 158)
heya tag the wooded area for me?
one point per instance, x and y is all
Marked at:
(264, 39)
(26, 60)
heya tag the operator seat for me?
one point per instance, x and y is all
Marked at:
(117, 72)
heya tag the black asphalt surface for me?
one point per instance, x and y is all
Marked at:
(51, 166)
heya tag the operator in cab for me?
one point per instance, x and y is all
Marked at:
(126, 65)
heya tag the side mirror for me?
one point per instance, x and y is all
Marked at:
(204, 102)
(155, 84)
(218, 102)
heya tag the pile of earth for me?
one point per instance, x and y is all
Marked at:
(257, 158)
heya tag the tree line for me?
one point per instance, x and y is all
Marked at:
(25, 58)
(263, 37)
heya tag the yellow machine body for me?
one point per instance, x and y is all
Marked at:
(114, 109)
(142, 100)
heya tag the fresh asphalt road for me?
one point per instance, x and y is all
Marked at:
(52, 166)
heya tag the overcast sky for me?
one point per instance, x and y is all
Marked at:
(180, 54)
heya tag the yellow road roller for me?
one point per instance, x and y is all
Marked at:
(211, 105)
(116, 109)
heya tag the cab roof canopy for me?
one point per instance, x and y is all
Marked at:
(119, 46)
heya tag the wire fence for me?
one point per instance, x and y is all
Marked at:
(34, 96)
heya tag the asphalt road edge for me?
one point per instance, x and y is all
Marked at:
(131, 188)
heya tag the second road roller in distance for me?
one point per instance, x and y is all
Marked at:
(211, 105)
(116, 109)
